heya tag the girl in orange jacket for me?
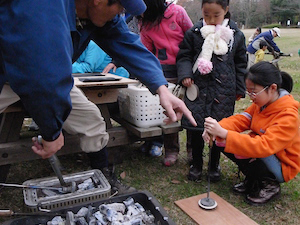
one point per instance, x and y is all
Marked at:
(270, 153)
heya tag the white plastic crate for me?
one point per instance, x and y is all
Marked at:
(140, 107)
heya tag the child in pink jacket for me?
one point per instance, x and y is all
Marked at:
(162, 29)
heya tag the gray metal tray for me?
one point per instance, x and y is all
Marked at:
(37, 201)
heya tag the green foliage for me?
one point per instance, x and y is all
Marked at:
(272, 25)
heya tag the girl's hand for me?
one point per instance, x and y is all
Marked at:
(238, 97)
(214, 128)
(206, 136)
(187, 82)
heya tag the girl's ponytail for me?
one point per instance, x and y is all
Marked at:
(287, 81)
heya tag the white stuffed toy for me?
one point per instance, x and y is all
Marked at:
(217, 38)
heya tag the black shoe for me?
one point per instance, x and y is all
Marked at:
(269, 190)
(99, 159)
(215, 174)
(117, 187)
(195, 173)
(240, 188)
(145, 148)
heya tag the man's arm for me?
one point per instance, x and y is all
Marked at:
(37, 57)
(126, 48)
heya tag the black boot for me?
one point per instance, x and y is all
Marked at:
(99, 161)
(197, 145)
(195, 173)
(240, 188)
(116, 186)
(215, 170)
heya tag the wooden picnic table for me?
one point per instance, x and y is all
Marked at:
(14, 149)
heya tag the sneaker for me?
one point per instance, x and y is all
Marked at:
(170, 158)
(117, 187)
(155, 151)
(240, 188)
(144, 148)
(269, 190)
(194, 173)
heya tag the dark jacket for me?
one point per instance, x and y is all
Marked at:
(218, 89)
(36, 54)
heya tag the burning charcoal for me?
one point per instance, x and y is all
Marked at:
(100, 217)
(70, 220)
(119, 217)
(132, 210)
(148, 217)
(89, 213)
(118, 223)
(119, 207)
(139, 207)
(82, 212)
(81, 221)
(128, 201)
(57, 220)
(92, 221)
(137, 221)
(107, 212)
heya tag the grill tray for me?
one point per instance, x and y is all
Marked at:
(37, 201)
(145, 198)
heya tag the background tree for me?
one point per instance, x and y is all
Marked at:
(252, 13)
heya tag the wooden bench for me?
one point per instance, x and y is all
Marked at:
(14, 149)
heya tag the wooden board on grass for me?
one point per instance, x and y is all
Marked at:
(223, 214)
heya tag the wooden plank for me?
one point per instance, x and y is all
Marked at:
(171, 128)
(123, 81)
(224, 214)
(118, 136)
(101, 96)
(138, 131)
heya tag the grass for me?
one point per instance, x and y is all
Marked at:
(171, 184)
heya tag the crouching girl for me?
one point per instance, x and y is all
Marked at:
(270, 153)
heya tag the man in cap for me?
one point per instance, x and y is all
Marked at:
(39, 40)
(267, 36)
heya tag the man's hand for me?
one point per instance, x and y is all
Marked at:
(109, 67)
(47, 149)
(174, 107)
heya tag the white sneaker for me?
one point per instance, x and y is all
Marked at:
(155, 151)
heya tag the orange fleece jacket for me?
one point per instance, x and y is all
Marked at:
(275, 130)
